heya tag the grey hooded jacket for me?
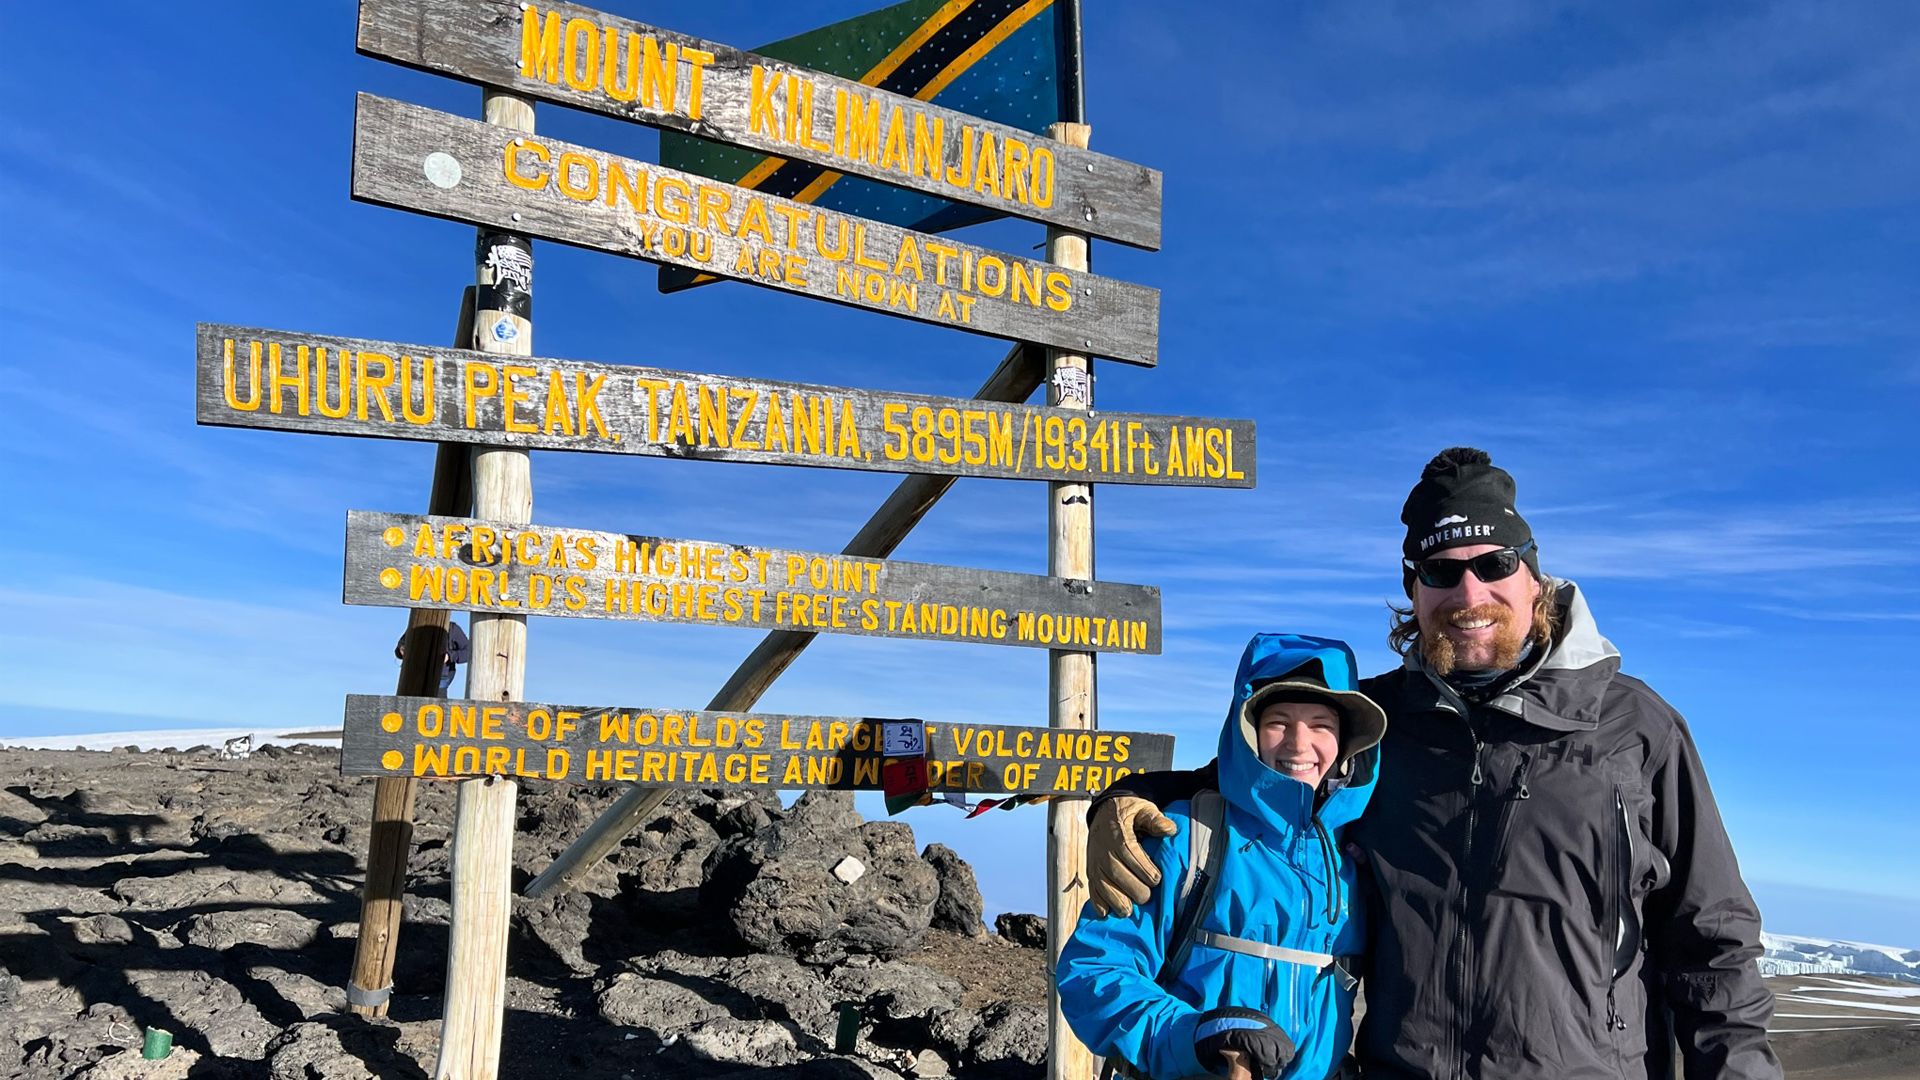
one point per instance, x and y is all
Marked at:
(1553, 892)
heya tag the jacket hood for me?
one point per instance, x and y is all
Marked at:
(1562, 687)
(1280, 801)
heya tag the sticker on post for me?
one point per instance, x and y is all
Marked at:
(511, 265)
(903, 738)
(442, 170)
(1072, 386)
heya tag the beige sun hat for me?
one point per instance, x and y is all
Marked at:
(1362, 722)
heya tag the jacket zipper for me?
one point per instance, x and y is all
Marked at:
(1517, 792)
(1623, 854)
(1462, 941)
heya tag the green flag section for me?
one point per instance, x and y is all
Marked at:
(1001, 60)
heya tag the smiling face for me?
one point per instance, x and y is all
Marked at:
(1476, 625)
(1299, 739)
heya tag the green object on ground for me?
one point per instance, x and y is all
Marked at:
(849, 1030)
(158, 1044)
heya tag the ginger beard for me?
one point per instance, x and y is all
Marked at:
(1475, 625)
(1499, 652)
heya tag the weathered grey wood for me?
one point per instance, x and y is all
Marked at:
(680, 748)
(473, 1010)
(290, 381)
(494, 567)
(795, 115)
(1073, 697)
(1015, 379)
(390, 837)
(417, 159)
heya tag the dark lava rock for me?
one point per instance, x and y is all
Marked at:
(203, 1010)
(1028, 931)
(339, 1048)
(663, 1006)
(744, 1042)
(102, 930)
(777, 889)
(893, 989)
(1011, 1042)
(273, 928)
(757, 987)
(743, 820)
(958, 908)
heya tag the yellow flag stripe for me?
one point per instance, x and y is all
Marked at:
(1018, 18)
(1021, 16)
(887, 66)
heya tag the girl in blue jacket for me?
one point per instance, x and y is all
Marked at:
(1263, 981)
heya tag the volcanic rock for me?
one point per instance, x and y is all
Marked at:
(777, 890)
(1012, 1041)
(958, 907)
(272, 928)
(1027, 931)
(339, 1048)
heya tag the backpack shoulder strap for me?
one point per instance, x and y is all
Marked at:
(1206, 814)
(1206, 817)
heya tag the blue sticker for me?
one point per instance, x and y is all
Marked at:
(504, 330)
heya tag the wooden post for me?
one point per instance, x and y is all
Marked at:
(484, 819)
(1071, 690)
(371, 983)
(1016, 378)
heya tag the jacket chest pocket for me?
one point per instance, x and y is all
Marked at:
(1568, 846)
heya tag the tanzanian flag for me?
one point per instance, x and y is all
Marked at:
(1002, 60)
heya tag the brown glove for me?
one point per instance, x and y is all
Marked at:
(1119, 873)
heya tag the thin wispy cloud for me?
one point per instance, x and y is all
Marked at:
(1657, 259)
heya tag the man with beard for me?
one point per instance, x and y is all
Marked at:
(1553, 893)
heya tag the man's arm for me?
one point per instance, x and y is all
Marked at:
(1161, 788)
(1703, 930)
(1119, 873)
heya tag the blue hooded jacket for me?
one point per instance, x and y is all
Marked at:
(1283, 881)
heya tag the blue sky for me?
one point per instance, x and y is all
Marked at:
(1657, 259)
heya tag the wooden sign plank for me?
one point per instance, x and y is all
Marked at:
(403, 560)
(288, 381)
(418, 159)
(588, 59)
(684, 748)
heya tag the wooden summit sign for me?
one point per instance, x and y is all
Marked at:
(418, 159)
(435, 737)
(402, 560)
(591, 60)
(286, 381)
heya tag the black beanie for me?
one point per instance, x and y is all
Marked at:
(1463, 499)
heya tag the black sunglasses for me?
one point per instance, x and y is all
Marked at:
(1491, 567)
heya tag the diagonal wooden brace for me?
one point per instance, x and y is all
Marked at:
(1015, 380)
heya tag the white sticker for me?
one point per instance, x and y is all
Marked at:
(1071, 386)
(504, 330)
(511, 266)
(903, 738)
(442, 171)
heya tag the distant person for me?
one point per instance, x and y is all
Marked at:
(458, 652)
(1240, 964)
(1553, 893)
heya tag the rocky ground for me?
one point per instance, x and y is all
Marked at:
(218, 899)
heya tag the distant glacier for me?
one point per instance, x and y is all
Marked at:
(1792, 955)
